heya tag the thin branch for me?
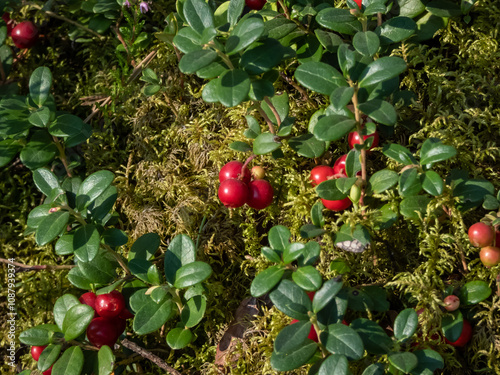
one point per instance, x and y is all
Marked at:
(357, 114)
(28, 267)
(269, 122)
(62, 18)
(274, 110)
(148, 355)
(62, 156)
(298, 88)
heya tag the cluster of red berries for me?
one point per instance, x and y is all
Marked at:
(237, 186)
(484, 236)
(110, 316)
(24, 34)
(322, 173)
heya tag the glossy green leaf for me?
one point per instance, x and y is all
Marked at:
(114, 237)
(292, 251)
(187, 40)
(433, 183)
(410, 206)
(100, 208)
(40, 117)
(328, 190)
(181, 251)
(262, 56)
(193, 311)
(317, 214)
(198, 15)
(329, 41)
(344, 184)
(366, 42)
(139, 268)
(48, 356)
(40, 84)
(76, 320)
(409, 183)
(310, 231)
(93, 186)
(383, 69)
(341, 96)
(374, 369)
(105, 360)
(279, 237)
(282, 106)
(310, 254)
(61, 307)
(51, 226)
(86, 242)
(428, 362)
(335, 364)
(290, 299)
(471, 193)
(70, 363)
(333, 127)
(433, 150)
(396, 30)
(265, 143)
(410, 8)
(145, 247)
(382, 180)
(295, 358)
(403, 361)
(8, 149)
(39, 151)
(253, 127)
(452, 325)
(399, 153)
(427, 26)
(279, 27)
(191, 274)
(64, 245)
(374, 338)
(353, 162)
(45, 180)
(443, 8)
(76, 278)
(307, 277)
(308, 48)
(151, 316)
(324, 295)
(474, 292)
(339, 20)
(292, 337)
(179, 338)
(266, 280)
(405, 324)
(233, 87)
(245, 33)
(319, 77)
(340, 339)
(307, 145)
(339, 266)
(380, 111)
(195, 60)
(234, 11)
(259, 89)
(39, 335)
(271, 254)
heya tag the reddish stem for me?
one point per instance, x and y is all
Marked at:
(250, 158)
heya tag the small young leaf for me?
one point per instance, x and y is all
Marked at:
(279, 237)
(340, 339)
(327, 292)
(76, 320)
(266, 280)
(405, 324)
(474, 292)
(71, 362)
(290, 299)
(403, 361)
(307, 277)
(191, 274)
(40, 84)
(433, 151)
(179, 338)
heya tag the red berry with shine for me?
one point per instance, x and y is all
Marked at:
(255, 4)
(233, 193)
(465, 336)
(103, 331)
(481, 234)
(320, 173)
(337, 205)
(312, 333)
(339, 165)
(260, 194)
(233, 170)
(359, 2)
(110, 304)
(490, 256)
(36, 351)
(88, 299)
(25, 34)
(451, 303)
(354, 139)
